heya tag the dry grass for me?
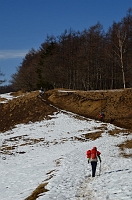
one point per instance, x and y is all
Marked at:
(39, 190)
(93, 136)
(10, 145)
(20, 92)
(116, 132)
(126, 145)
(2, 99)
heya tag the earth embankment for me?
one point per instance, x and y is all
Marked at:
(27, 107)
(116, 104)
(24, 108)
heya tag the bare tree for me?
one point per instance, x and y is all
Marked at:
(1, 81)
(121, 40)
(118, 48)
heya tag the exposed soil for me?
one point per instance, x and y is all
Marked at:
(23, 109)
(116, 104)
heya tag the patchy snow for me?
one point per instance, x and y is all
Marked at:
(49, 151)
(6, 97)
(67, 91)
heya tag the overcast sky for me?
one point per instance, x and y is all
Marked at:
(25, 24)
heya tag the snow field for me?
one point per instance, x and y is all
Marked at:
(47, 151)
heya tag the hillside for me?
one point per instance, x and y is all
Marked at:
(41, 160)
(116, 104)
(23, 109)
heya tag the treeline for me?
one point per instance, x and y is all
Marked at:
(6, 89)
(87, 60)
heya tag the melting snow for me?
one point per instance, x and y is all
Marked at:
(48, 150)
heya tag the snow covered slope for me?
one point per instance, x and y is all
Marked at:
(54, 152)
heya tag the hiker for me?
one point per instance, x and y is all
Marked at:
(101, 115)
(41, 91)
(93, 155)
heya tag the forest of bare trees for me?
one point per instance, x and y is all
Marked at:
(1, 80)
(87, 60)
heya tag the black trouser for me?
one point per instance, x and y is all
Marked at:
(94, 165)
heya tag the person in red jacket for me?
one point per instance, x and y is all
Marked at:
(93, 155)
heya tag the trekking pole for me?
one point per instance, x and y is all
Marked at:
(100, 169)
